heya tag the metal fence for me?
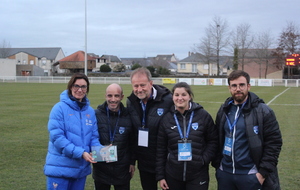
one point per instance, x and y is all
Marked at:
(126, 80)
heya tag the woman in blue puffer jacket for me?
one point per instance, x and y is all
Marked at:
(72, 130)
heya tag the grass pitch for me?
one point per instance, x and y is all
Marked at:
(24, 111)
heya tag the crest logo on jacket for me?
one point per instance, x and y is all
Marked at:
(255, 129)
(121, 130)
(195, 126)
(160, 111)
(55, 185)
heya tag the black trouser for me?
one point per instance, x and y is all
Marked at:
(102, 186)
(236, 181)
(148, 180)
(196, 184)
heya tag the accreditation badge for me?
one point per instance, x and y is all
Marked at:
(143, 137)
(184, 150)
(228, 146)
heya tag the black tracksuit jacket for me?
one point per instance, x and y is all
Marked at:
(155, 110)
(115, 173)
(204, 138)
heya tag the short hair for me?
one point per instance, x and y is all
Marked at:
(141, 71)
(187, 88)
(236, 74)
(73, 80)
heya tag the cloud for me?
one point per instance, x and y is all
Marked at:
(134, 28)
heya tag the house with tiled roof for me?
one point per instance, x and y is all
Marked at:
(76, 62)
(196, 63)
(129, 62)
(257, 62)
(110, 60)
(38, 58)
(168, 61)
(167, 57)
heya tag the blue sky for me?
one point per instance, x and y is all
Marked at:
(134, 28)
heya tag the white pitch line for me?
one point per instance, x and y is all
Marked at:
(209, 102)
(277, 96)
(285, 104)
(267, 103)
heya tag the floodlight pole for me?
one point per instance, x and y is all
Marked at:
(85, 46)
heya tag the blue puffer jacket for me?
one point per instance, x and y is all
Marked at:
(72, 132)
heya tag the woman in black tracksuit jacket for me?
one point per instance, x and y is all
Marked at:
(178, 168)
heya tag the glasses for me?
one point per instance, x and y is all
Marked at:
(241, 86)
(76, 87)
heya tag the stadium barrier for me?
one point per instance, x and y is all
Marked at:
(126, 80)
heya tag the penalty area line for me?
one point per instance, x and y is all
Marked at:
(277, 96)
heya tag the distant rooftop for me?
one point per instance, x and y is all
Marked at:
(49, 53)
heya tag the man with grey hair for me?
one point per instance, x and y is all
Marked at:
(147, 105)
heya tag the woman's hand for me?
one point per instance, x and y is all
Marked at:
(88, 157)
(163, 184)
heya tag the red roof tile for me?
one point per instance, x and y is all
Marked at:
(77, 56)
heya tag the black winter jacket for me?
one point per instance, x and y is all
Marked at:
(155, 110)
(115, 173)
(204, 145)
(264, 146)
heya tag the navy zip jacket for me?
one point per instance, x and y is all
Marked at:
(263, 137)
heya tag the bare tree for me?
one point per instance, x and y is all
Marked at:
(235, 59)
(288, 43)
(219, 33)
(263, 54)
(205, 49)
(242, 40)
(289, 39)
(4, 49)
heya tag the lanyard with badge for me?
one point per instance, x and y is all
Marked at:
(143, 132)
(184, 145)
(229, 140)
(112, 148)
(112, 133)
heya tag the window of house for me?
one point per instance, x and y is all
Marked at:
(44, 62)
(182, 65)
(194, 68)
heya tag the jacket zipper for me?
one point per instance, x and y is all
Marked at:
(233, 141)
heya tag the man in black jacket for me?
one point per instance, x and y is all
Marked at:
(147, 105)
(115, 129)
(250, 140)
